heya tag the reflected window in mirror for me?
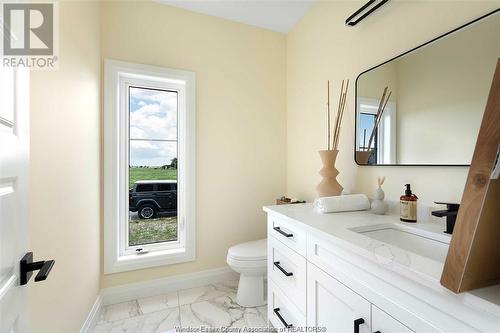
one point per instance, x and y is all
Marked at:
(366, 123)
(383, 148)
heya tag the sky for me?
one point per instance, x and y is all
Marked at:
(153, 115)
(366, 122)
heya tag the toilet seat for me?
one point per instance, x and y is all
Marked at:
(250, 260)
(249, 251)
(247, 266)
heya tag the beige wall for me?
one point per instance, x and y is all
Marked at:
(65, 174)
(240, 72)
(321, 47)
(372, 84)
(443, 90)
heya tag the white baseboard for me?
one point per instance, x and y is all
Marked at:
(93, 316)
(128, 292)
(132, 291)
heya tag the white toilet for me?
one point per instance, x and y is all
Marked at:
(250, 260)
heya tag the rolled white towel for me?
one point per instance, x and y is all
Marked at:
(342, 203)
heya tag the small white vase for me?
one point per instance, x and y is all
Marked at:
(379, 206)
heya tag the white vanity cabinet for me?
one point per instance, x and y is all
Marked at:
(316, 280)
(383, 323)
(332, 305)
(303, 289)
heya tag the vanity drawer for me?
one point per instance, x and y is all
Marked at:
(281, 311)
(287, 233)
(287, 269)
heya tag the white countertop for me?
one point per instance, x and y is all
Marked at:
(423, 270)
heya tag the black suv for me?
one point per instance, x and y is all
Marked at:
(149, 197)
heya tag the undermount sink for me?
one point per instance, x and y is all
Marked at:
(429, 244)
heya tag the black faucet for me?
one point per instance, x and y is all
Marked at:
(450, 213)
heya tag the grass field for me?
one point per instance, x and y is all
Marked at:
(161, 229)
(136, 174)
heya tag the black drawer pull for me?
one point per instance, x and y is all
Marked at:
(377, 332)
(277, 312)
(357, 323)
(278, 229)
(277, 264)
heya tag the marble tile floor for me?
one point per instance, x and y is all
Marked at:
(211, 306)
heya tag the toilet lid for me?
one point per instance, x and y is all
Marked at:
(255, 250)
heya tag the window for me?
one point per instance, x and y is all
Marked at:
(149, 166)
(384, 143)
(366, 123)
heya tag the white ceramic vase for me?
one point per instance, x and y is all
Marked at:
(379, 206)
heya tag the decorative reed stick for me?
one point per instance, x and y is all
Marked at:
(340, 116)
(364, 138)
(378, 117)
(338, 119)
(338, 108)
(329, 118)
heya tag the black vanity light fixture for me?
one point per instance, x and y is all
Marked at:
(364, 11)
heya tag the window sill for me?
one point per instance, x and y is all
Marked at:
(147, 260)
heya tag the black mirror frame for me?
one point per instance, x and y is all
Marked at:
(394, 58)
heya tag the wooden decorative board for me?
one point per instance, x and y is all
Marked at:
(473, 259)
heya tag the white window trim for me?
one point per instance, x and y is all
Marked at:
(118, 256)
(386, 147)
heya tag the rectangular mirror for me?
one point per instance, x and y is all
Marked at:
(438, 96)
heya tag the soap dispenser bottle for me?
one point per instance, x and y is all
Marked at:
(408, 206)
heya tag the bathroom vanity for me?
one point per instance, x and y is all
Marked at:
(366, 273)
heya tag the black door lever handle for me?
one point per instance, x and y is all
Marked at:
(27, 267)
(45, 270)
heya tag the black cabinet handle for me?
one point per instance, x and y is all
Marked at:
(277, 313)
(27, 267)
(278, 229)
(357, 323)
(277, 264)
(377, 332)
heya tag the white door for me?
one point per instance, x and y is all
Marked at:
(332, 305)
(14, 159)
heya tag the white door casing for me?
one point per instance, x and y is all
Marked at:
(14, 162)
